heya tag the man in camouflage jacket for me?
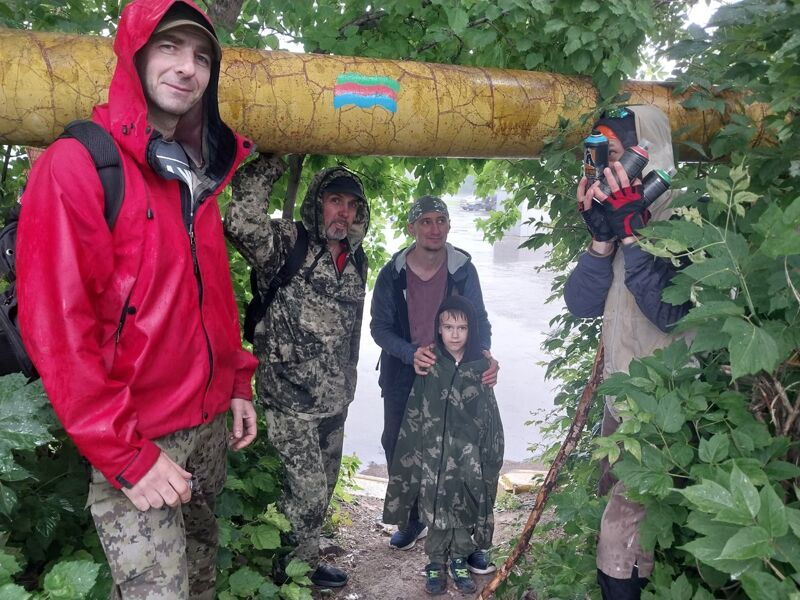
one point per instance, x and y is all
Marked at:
(307, 342)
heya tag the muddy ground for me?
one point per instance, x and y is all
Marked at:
(378, 572)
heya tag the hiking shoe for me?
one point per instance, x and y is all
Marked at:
(479, 562)
(404, 539)
(435, 579)
(461, 576)
(328, 576)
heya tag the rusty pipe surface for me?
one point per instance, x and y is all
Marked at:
(323, 104)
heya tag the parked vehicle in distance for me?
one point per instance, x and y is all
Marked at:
(473, 203)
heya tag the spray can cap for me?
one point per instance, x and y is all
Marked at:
(665, 175)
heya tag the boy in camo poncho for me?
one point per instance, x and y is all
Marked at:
(449, 451)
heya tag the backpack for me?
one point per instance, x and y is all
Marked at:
(97, 141)
(257, 307)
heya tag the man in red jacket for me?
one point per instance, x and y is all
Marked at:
(134, 328)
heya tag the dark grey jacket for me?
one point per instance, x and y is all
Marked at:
(646, 276)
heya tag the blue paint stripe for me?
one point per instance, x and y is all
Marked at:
(365, 101)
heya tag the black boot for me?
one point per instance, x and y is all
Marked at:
(328, 576)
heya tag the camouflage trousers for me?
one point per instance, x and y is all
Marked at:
(442, 544)
(311, 452)
(166, 553)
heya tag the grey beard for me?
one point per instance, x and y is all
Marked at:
(336, 234)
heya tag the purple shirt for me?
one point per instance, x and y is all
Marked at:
(423, 299)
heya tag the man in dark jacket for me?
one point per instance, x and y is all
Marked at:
(617, 279)
(408, 292)
(135, 329)
(307, 341)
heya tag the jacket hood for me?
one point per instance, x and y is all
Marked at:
(456, 258)
(311, 210)
(126, 111)
(652, 125)
(459, 304)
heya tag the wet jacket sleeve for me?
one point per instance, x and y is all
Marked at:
(473, 293)
(587, 286)
(65, 259)
(384, 314)
(247, 221)
(646, 276)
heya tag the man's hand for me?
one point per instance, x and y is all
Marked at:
(593, 216)
(424, 359)
(489, 377)
(165, 483)
(624, 208)
(244, 423)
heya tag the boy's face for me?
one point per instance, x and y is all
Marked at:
(615, 150)
(454, 331)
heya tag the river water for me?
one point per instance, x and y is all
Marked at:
(514, 293)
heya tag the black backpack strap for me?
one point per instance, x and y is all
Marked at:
(107, 161)
(257, 307)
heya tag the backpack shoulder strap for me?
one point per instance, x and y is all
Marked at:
(258, 306)
(107, 161)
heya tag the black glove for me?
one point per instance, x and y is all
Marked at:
(596, 223)
(626, 211)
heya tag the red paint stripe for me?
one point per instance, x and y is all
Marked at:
(365, 90)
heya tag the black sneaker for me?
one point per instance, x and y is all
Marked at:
(461, 576)
(328, 576)
(404, 539)
(479, 563)
(435, 579)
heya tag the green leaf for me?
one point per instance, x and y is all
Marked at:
(297, 569)
(8, 566)
(709, 496)
(265, 537)
(11, 591)
(268, 591)
(762, 586)
(669, 417)
(714, 450)
(245, 582)
(772, 515)
(780, 470)
(71, 580)
(717, 272)
(744, 492)
(752, 349)
(749, 542)
(8, 500)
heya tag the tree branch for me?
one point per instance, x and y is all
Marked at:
(295, 171)
(225, 13)
(567, 446)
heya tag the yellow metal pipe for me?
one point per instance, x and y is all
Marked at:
(315, 103)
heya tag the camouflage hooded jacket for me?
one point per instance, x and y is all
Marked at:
(308, 341)
(450, 449)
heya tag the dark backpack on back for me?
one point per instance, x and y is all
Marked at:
(258, 306)
(97, 141)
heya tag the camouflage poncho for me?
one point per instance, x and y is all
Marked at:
(308, 342)
(449, 451)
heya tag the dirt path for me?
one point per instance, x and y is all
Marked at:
(378, 572)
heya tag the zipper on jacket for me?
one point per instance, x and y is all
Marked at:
(441, 449)
(188, 206)
(122, 317)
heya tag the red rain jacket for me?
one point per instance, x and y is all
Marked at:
(130, 342)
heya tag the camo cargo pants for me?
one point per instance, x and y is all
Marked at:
(311, 452)
(167, 553)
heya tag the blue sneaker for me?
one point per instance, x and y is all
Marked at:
(462, 578)
(435, 579)
(404, 539)
(479, 563)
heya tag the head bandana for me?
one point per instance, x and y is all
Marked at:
(427, 204)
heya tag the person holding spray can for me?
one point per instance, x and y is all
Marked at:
(617, 279)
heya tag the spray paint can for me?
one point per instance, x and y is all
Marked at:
(655, 183)
(595, 155)
(633, 160)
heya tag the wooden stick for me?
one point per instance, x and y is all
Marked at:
(567, 446)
